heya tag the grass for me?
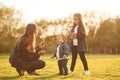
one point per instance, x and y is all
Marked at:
(102, 67)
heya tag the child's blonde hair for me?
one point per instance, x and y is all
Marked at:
(63, 37)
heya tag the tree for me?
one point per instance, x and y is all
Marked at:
(107, 34)
(10, 20)
(90, 37)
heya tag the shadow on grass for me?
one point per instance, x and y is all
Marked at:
(9, 77)
(53, 76)
(42, 77)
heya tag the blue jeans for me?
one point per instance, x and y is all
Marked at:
(62, 64)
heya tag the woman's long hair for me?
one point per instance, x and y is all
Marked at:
(82, 28)
(29, 37)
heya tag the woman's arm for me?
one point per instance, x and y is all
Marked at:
(37, 48)
(27, 55)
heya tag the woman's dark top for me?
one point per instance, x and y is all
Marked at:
(21, 58)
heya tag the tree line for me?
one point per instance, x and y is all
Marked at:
(102, 33)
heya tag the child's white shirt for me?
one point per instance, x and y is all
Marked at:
(75, 29)
(75, 41)
(57, 53)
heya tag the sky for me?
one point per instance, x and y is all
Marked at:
(54, 9)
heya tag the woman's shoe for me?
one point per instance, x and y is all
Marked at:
(34, 73)
(20, 72)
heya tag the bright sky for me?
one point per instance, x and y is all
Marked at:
(52, 9)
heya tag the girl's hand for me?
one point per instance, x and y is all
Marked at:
(73, 35)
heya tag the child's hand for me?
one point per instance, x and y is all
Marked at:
(52, 56)
(64, 56)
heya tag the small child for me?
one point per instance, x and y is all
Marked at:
(61, 54)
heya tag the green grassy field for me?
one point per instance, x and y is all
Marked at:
(102, 67)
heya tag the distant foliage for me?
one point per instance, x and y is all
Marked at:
(101, 32)
(9, 22)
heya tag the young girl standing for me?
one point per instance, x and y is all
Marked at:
(78, 44)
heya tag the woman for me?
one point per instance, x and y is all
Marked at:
(25, 56)
(78, 44)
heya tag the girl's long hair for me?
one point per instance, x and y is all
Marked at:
(82, 28)
(29, 38)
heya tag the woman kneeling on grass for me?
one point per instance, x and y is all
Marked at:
(25, 56)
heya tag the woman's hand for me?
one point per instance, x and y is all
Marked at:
(41, 52)
(42, 44)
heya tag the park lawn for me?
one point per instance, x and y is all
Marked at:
(102, 67)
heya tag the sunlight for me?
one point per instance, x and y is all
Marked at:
(52, 31)
(56, 9)
(59, 30)
(49, 32)
(52, 9)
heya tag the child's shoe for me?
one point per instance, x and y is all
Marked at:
(69, 71)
